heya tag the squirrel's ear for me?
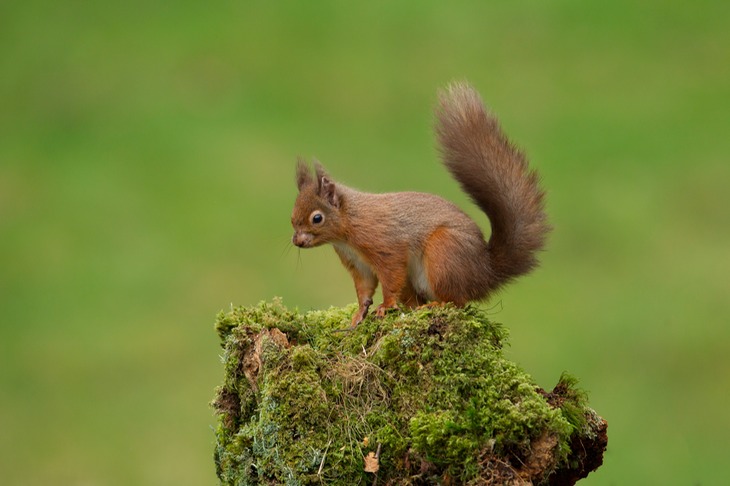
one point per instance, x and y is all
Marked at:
(328, 191)
(327, 188)
(304, 175)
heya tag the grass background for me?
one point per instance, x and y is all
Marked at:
(146, 181)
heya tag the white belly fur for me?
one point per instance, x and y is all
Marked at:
(416, 269)
(351, 255)
(419, 279)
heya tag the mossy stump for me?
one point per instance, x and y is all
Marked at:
(419, 397)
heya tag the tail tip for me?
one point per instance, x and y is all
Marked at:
(459, 92)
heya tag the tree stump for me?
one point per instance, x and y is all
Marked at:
(418, 397)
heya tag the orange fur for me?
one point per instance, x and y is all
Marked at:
(419, 247)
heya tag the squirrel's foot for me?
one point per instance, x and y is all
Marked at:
(358, 316)
(383, 309)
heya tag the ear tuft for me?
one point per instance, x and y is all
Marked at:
(319, 171)
(304, 174)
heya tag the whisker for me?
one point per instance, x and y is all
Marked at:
(287, 248)
(496, 308)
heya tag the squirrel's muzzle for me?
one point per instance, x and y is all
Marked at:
(302, 239)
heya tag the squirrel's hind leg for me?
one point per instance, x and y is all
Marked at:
(411, 299)
(454, 262)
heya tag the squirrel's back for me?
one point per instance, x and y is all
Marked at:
(497, 177)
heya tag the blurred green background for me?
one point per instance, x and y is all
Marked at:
(146, 181)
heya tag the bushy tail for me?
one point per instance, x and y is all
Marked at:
(497, 177)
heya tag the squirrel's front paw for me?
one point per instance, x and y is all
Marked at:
(357, 319)
(383, 309)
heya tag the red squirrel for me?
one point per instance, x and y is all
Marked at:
(420, 247)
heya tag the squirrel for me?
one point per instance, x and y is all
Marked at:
(421, 248)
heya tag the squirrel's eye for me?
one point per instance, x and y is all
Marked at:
(317, 218)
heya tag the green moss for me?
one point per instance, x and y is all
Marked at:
(431, 386)
(574, 401)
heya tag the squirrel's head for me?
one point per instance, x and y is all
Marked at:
(316, 214)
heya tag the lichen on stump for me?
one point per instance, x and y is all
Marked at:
(419, 397)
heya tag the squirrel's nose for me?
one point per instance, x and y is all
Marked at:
(299, 239)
